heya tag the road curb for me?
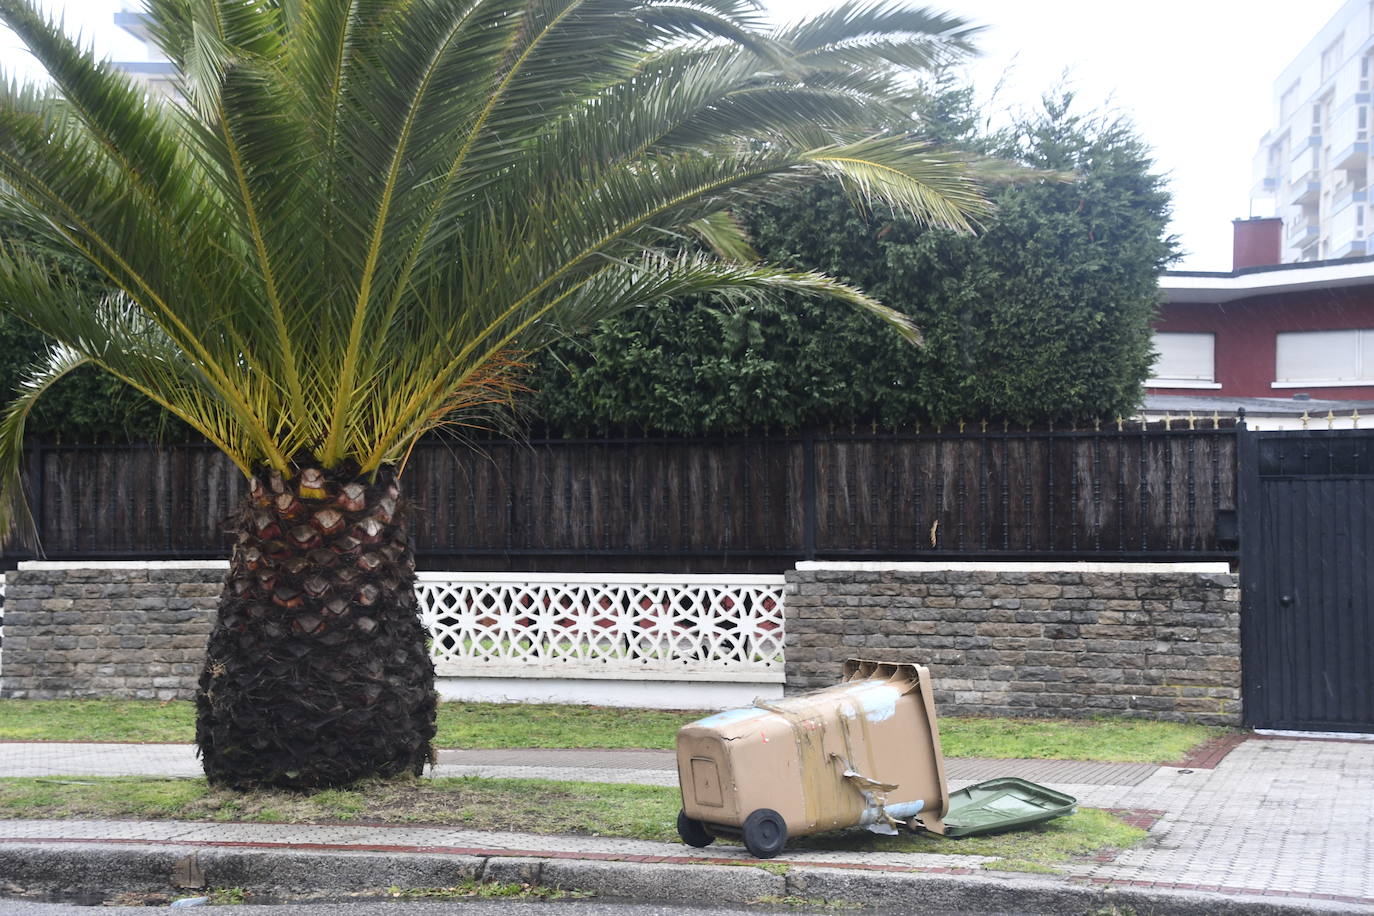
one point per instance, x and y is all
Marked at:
(91, 872)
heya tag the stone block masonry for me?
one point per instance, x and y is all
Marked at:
(1143, 640)
(127, 630)
(139, 630)
(1157, 641)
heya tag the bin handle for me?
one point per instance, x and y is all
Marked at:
(905, 676)
(864, 783)
(874, 816)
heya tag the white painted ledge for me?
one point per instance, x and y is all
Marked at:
(622, 693)
(986, 566)
(1182, 383)
(433, 575)
(595, 672)
(1326, 383)
(597, 578)
(55, 565)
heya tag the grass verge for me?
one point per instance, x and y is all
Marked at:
(477, 725)
(1036, 849)
(1112, 740)
(97, 720)
(490, 725)
(528, 805)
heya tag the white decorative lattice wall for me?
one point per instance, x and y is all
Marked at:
(656, 627)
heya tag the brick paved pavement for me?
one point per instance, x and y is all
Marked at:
(1275, 814)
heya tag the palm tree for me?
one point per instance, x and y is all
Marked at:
(352, 225)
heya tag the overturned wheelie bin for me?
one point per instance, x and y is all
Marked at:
(865, 752)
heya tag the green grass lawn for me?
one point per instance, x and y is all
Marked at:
(547, 725)
(97, 720)
(490, 725)
(529, 805)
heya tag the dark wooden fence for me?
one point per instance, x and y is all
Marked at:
(747, 503)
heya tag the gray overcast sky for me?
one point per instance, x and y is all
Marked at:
(1196, 76)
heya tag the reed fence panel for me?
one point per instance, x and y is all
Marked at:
(756, 503)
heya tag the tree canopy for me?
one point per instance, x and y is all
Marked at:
(1043, 317)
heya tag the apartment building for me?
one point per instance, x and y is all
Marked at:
(155, 71)
(1315, 164)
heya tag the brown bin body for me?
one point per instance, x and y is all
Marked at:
(864, 752)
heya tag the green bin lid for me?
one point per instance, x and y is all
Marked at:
(1005, 803)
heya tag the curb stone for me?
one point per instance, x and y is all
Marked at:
(103, 870)
(83, 870)
(700, 884)
(986, 894)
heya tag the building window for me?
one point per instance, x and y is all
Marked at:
(1331, 58)
(1184, 360)
(1288, 102)
(1324, 358)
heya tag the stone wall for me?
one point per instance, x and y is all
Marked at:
(129, 629)
(1145, 640)
(107, 629)
(1011, 639)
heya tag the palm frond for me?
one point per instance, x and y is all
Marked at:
(15, 517)
(887, 21)
(361, 214)
(725, 235)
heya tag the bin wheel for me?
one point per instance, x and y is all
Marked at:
(765, 833)
(693, 832)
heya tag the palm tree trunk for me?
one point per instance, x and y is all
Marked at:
(317, 672)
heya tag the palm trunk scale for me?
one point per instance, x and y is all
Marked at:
(317, 672)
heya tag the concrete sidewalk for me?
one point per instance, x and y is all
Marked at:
(1278, 825)
(646, 767)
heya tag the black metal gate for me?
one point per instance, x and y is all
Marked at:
(1307, 624)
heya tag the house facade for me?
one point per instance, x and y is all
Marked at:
(1283, 341)
(1268, 332)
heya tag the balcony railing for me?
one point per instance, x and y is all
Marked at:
(1345, 198)
(1305, 188)
(1353, 156)
(1301, 234)
(1303, 155)
(1352, 249)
